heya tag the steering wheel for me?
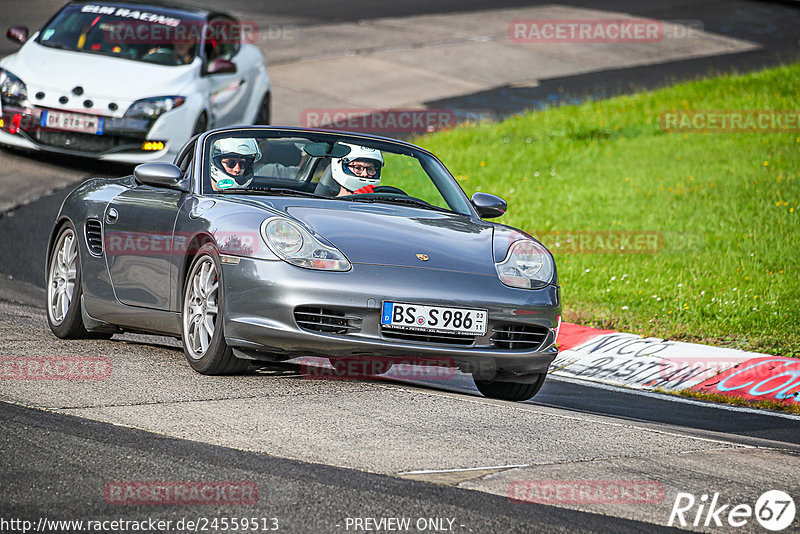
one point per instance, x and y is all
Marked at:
(389, 189)
(163, 56)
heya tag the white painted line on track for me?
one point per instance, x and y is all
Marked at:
(430, 471)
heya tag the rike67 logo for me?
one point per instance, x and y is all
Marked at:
(774, 510)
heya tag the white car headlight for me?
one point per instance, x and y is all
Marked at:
(527, 265)
(12, 90)
(152, 108)
(297, 246)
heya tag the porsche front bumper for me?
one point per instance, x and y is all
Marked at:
(264, 299)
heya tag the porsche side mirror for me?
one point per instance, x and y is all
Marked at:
(221, 66)
(489, 206)
(18, 34)
(161, 175)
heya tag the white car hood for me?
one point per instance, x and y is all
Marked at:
(102, 77)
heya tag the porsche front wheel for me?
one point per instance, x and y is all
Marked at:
(511, 391)
(64, 286)
(202, 335)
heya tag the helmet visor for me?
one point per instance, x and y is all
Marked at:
(362, 168)
(234, 164)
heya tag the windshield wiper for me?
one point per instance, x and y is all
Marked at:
(398, 200)
(59, 46)
(281, 191)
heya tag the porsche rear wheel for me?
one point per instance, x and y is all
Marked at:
(202, 335)
(64, 287)
(511, 391)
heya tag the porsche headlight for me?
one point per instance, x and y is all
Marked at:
(13, 91)
(527, 265)
(297, 246)
(152, 108)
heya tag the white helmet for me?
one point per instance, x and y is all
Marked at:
(245, 148)
(346, 177)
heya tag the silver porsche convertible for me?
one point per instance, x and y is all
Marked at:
(264, 244)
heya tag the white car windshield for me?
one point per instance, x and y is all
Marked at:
(143, 33)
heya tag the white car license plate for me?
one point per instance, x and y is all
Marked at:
(434, 318)
(73, 122)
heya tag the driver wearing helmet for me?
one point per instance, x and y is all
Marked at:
(358, 172)
(232, 161)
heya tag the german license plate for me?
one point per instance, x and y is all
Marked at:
(434, 318)
(72, 122)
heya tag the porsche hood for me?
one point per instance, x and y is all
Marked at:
(381, 234)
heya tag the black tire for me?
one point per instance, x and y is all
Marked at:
(216, 358)
(65, 323)
(264, 114)
(511, 391)
(201, 125)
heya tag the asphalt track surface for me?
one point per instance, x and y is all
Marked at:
(55, 465)
(59, 466)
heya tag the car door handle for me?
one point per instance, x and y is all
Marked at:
(111, 216)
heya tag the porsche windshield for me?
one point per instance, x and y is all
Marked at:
(326, 166)
(142, 33)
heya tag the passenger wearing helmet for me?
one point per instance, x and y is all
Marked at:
(232, 161)
(358, 172)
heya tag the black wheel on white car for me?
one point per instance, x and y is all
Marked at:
(201, 125)
(64, 286)
(264, 110)
(202, 318)
(511, 391)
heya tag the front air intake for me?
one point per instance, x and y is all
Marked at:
(326, 320)
(511, 336)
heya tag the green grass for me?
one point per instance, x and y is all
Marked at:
(726, 205)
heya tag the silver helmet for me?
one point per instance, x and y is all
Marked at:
(243, 152)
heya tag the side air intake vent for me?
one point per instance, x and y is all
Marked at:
(94, 236)
(519, 336)
(326, 320)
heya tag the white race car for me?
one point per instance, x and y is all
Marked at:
(130, 82)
